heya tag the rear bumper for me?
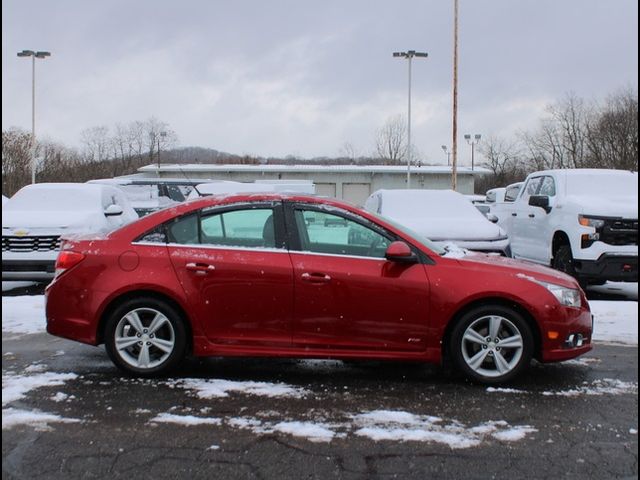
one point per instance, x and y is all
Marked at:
(617, 268)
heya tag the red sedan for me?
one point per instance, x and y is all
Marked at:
(308, 277)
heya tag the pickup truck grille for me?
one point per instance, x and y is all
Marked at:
(620, 232)
(30, 244)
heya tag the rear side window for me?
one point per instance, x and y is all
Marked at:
(183, 230)
(253, 228)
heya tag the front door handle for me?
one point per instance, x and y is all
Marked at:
(315, 277)
(514, 214)
(200, 268)
(532, 215)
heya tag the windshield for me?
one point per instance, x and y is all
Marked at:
(51, 198)
(421, 240)
(604, 184)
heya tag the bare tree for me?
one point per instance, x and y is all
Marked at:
(16, 160)
(391, 140)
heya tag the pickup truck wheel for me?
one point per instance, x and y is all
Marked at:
(491, 344)
(563, 260)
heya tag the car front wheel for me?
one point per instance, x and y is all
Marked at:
(145, 337)
(492, 344)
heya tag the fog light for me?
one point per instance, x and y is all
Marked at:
(574, 340)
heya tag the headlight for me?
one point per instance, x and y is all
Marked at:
(566, 296)
(587, 221)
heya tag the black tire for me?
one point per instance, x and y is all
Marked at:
(469, 338)
(165, 347)
(563, 261)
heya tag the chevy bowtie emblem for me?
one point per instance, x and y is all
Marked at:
(20, 233)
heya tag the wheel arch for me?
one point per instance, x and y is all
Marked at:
(482, 302)
(132, 294)
(560, 238)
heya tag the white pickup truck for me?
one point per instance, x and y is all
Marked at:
(581, 221)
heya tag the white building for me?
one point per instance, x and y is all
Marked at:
(353, 183)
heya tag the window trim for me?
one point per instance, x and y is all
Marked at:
(281, 243)
(295, 245)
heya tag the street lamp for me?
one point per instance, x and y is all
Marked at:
(447, 153)
(409, 55)
(33, 55)
(476, 139)
(161, 135)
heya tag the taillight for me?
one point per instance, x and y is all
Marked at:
(67, 259)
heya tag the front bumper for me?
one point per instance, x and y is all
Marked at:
(617, 268)
(569, 325)
(36, 270)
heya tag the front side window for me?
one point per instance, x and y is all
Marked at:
(548, 187)
(531, 188)
(323, 232)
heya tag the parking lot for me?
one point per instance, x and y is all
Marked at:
(68, 413)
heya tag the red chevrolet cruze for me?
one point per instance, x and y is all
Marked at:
(308, 277)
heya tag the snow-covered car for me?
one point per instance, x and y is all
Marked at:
(148, 195)
(226, 187)
(495, 195)
(442, 216)
(37, 216)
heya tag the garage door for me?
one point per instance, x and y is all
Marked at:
(326, 189)
(356, 193)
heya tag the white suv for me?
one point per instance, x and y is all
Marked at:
(36, 217)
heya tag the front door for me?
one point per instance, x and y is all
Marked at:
(348, 296)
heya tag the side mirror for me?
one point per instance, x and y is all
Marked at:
(541, 201)
(492, 218)
(113, 210)
(400, 252)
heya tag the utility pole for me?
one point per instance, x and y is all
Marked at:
(454, 143)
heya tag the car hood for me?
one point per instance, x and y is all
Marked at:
(441, 229)
(625, 206)
(519, 268)
(68, 221)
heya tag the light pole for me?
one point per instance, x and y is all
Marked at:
(447, 153)
(476, 139)
(161, 135)
(33, 55)
(409, 55)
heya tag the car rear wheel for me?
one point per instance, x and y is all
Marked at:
(145, 337)
(492, 344)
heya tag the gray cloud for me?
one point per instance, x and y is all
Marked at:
(291, 77)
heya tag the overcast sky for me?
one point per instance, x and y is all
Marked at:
(303, 78)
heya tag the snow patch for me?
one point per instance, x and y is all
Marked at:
(15, 387)
(12, 417)
(217, 388)
(605, 386)
(23, 315)
(188, 420)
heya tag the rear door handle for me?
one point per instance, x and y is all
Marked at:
(514, 214)
(532, 215)
(200, 268)
(315, 277)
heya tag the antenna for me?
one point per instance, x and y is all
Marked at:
(195, 187)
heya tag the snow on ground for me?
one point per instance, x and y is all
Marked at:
(216, 388)
(615, 321)
(15, 387)
(605, 386)
(377, 425)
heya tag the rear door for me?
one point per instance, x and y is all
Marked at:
(347, 295)
(236, 272)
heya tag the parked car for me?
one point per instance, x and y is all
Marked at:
(148, 195)
(226, 187)
(250, 275)
(503, 198)
(583, 222)
(442, 216)
(4, 200)
(494, 195)
(36, 217)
